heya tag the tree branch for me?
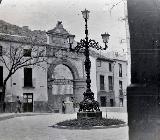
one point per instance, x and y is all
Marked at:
(4, 62)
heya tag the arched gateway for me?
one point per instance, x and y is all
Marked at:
(65, 75)
(62, 77)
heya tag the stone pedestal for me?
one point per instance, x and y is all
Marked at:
(69, 107)
(143, 112)
(97, 115)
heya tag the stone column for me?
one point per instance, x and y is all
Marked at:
(143, 96)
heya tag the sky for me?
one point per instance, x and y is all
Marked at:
(105, 16)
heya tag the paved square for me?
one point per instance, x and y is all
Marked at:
(37, 128)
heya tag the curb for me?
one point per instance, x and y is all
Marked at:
(7, 117)
(2, 118)
(89, 128)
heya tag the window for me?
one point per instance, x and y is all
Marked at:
(101, 82)
(110, 82)
(0, 50)
(103, 101)
(120, 85)
(98, 63)
(110, 67)
(27, 52)
(1, 76)
(120, 70)
(121, 102)
(120, 88)
(28, 77)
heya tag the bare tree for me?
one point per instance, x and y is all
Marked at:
(17, 56)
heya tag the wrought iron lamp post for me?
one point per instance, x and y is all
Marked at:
(88, 104)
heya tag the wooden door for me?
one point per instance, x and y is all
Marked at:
(28, 102)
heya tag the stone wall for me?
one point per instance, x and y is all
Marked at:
(41, 106)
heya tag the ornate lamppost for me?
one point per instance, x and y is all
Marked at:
(88, 107)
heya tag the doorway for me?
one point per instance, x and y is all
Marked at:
(111, 103)
(121, 102)
(103, 101)
(28, 102)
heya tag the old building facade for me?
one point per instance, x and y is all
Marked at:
(28, 82)
(111, 82)
(62, 76)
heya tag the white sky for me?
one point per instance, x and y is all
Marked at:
(44, 14)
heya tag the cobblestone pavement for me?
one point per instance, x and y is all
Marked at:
(38, 128)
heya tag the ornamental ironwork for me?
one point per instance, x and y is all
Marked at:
(88, 104)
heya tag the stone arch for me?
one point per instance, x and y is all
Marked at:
(65, 62)
(55, 100)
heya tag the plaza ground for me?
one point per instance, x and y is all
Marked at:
(37, 127)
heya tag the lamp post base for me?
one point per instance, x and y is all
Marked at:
(89, 108)
(97, 115)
